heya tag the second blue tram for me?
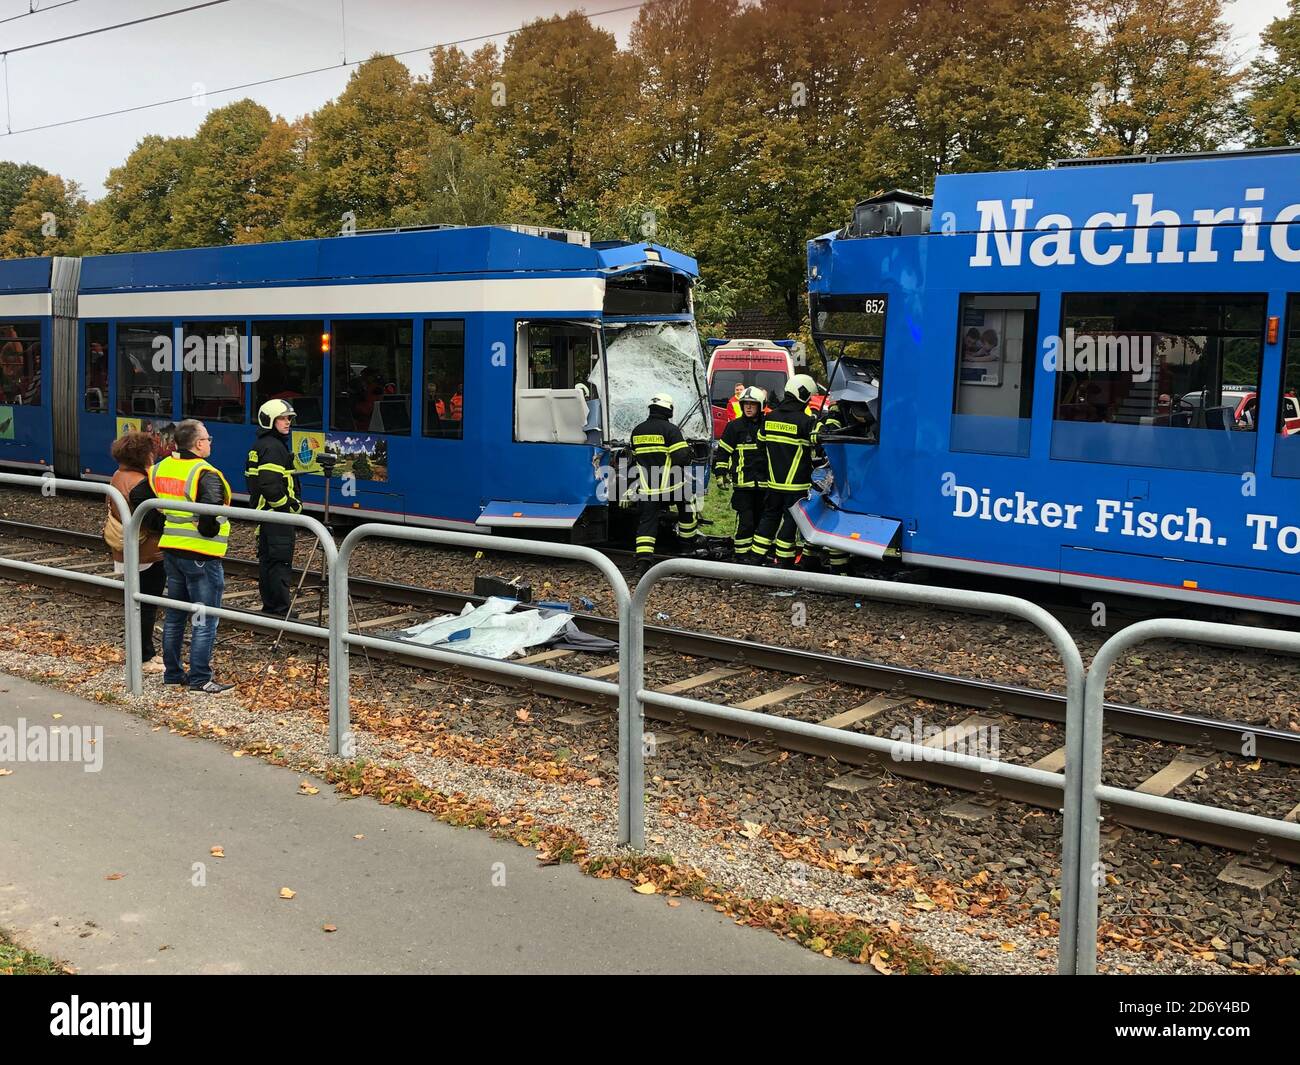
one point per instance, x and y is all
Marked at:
(1087, 375)
(463, 377)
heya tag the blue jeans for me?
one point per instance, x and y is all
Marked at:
(192, 581)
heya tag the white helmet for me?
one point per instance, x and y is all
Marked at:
(664, 401)
(272, 409)
(753, 394)
(802, 387)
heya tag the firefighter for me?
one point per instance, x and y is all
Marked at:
(660, 452)
(786, 440)
(849, 418)
(273, 485)
(739, 460)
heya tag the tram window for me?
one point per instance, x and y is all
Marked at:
(372, 376)
(1130, 363)
(96, 397)
(20, 363)
(444, 378)
(994, 390)
(1286, 444)
(212, 384)
(553, 359)
(141, 387)
(559, 355)
(292, 367)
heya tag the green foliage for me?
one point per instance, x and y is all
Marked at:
(44, 221)
(15, 180)
(1272, 108)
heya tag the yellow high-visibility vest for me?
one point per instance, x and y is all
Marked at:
(177, 478)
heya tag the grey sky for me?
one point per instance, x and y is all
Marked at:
(249, 40)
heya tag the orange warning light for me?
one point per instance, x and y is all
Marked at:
(855, 536)
(1273, 323)
(517, 514)
(1190, 584)
(324, 343)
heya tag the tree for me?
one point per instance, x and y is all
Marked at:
(1272, 107)
(460, 183)
(362, 155)
(15, 180)
(44, 221)
(568, 97)
(1165, 81)
(135, 214)
(239, 174)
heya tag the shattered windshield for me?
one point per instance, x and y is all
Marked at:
(644, 358)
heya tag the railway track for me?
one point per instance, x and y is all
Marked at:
(382, 606)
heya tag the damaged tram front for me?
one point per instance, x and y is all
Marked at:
(583, 383)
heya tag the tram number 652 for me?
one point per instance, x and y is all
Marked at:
(873, 306)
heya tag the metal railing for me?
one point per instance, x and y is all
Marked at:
(1094, 793)
(951, 598)
(341, 638)
(49, 484)
(1080, 785)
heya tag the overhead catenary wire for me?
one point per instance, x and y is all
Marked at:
(108, 29)
(314, 70)
(37, 11)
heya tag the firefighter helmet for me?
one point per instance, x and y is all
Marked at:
(753, 394)
(663, 401)
(802, 387)
(272, 409)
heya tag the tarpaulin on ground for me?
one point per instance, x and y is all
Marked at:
(496, 630)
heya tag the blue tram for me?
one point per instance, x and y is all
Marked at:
(463, 377)
(1087, 375)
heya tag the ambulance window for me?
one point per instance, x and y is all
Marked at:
(993, 393)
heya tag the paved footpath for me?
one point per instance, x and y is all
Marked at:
(413, 896)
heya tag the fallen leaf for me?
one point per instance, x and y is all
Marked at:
(329, 928)
(879, 963)
(57, 716)
(1008, 947)
(594, 782)
(523, 714)
(751, 830)
(359, 835)
(647, 888)
(238, 754)
(218, 852)
(817, 943)
(114, 876)
(287, 893)
(674, 903)
(6, 772)
(305, 788)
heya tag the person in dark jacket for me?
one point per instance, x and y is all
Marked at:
(661, 452)
(193, 547)
(786, 438)
(273, 485)
(740, 460)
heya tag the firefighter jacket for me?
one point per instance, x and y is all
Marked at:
(271, 481)
(660, 452)
(739, 455)
(786, 438)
